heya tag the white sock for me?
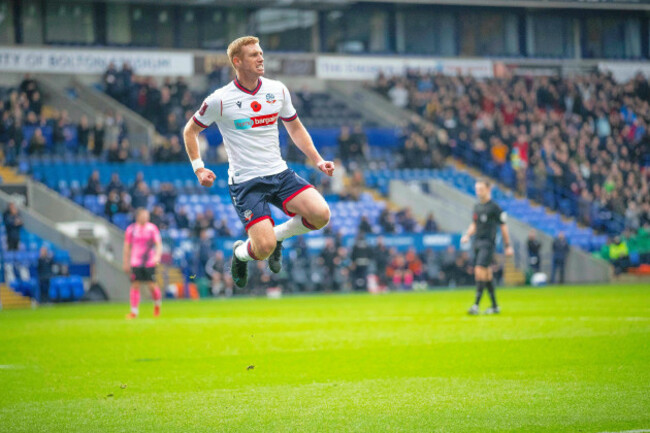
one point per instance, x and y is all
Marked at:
(291, 228)
(241, 252)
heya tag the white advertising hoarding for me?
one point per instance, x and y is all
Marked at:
(85, 61)
(625, 71)
(367, 68)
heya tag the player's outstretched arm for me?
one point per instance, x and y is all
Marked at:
(470, 231)
(303, 141)
(191, 137)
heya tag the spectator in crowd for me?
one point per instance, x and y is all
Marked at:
(430, 224)
(37, 144)
(619, 255)
(415, 266)
(83, 134)
(399, 95)
(344, 142)
(381, 256)
(204, 252)
(167, 196)
(217, 272)
(450, 274)
(223, 229)
(140, 197)
(113, 154)
(111, 82)
(387, 221)
(125, 202)
(112, 205)
(260, 278)
(328, 260)
(560, 254)
(364, 225)
(534, 252)
(139, 178)
(407, 221)
(13, 225)
(93, 186)
(182, 221)
(158, 218)
(209, 218)
(432, 267)
(361, 260)
(98, 134)
(115, 184)
(44, 270)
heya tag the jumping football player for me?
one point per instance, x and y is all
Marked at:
(487, 217)
(142, 251)
(247, 112)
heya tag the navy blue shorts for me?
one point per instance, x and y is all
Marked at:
(252, 198)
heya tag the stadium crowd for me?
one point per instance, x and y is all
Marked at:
(28, 127)
(586, 137)
(579, 145)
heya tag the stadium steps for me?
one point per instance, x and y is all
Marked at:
(511, 275)
(168, 275)
(10, 300)
(9, 175)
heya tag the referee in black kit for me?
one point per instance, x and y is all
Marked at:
(487, 217)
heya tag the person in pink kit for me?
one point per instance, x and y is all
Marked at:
(142, 251)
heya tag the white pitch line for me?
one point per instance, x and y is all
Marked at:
(630, 431)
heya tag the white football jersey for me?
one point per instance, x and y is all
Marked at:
(248, 122)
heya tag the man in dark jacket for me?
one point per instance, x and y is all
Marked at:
(13, 224)
(534, 252)
(361, 256)
(560, 253)
(44, 271)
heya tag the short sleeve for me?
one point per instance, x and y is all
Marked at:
(208, 113)
(128, 235)
(501, 215)
(287, 112)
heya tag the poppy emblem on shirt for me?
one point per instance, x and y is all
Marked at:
(270, 98)
(256, 106)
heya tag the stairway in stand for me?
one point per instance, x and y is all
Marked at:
(511, 275)
(11, 300)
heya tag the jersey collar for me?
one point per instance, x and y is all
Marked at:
(245, 90)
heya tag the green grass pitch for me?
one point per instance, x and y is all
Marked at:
(574, 359)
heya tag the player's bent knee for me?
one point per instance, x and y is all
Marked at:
(321, 217)
(264, 247)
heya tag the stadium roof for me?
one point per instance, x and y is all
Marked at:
(328, 4)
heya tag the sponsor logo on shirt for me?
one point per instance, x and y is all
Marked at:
(256, 122)
(238, 104)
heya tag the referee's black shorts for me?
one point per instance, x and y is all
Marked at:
(484, 254)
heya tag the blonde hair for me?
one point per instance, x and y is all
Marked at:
(235, 47)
